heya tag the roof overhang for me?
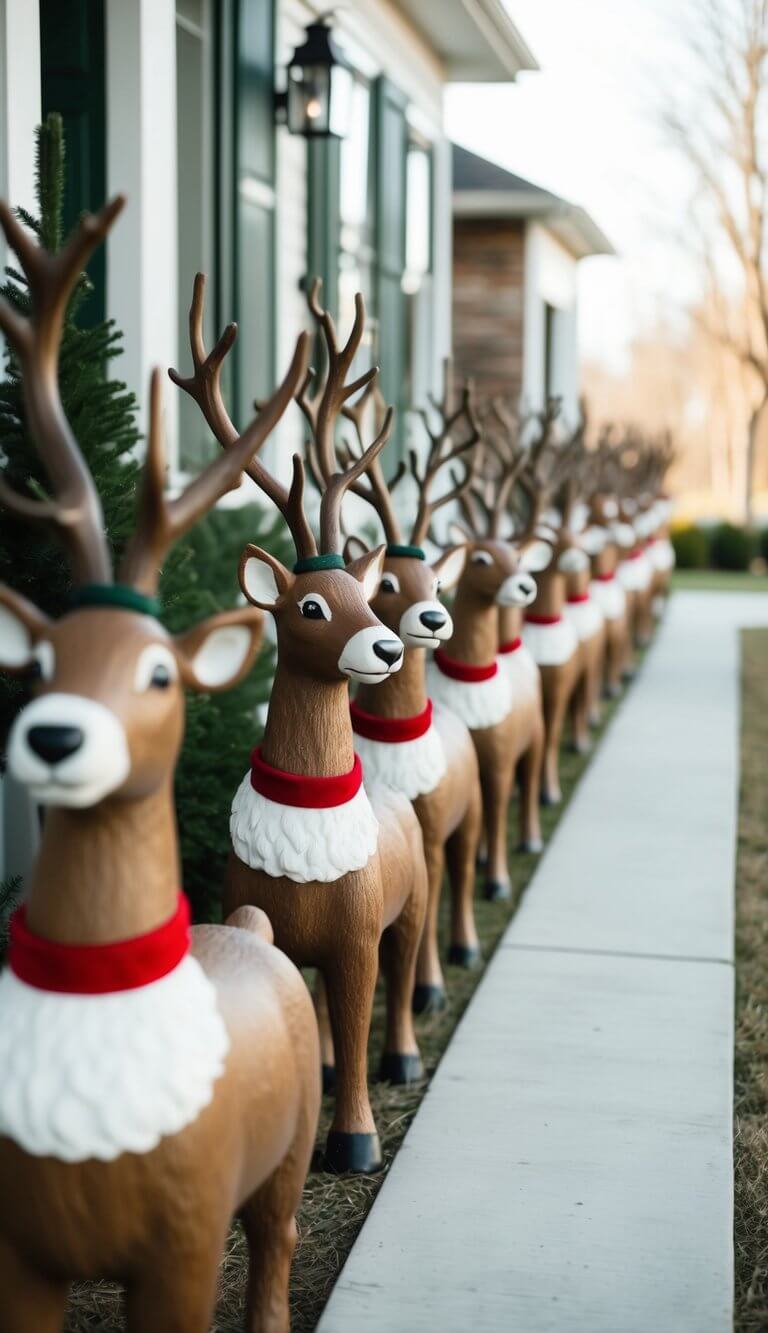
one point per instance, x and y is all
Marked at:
(475, 39)
(569, 223)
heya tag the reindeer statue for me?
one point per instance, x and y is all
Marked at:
(471, 683)
(149, 1091)
(581, 608)
(600, 540)
(425, 753)
(338, 874)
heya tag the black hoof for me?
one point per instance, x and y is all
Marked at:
(329, 1078)
(400, 1069)
(580, 747)
(533, 846)
(360, 1153)
(628, 677)
(428, 999)
(464, 955)
(550, 798)
(612, 691)
(496, 891)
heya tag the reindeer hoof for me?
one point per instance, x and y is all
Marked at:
(613, 691)
(464, 955)
(428, 999)
(496, 891)
(581, 746)
(550, 798)
(533, 846)
(360, 1153)
(400, 1069)
(329, 1078)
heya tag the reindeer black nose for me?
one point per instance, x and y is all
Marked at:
(54, 743)
(433, 620)
(389, 650)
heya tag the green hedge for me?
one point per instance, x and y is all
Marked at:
(724, 546)
(691, 547)
(732, 547)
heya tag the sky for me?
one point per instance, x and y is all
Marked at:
(587, 127)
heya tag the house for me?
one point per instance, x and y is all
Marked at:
(516, 251)
(173, 103)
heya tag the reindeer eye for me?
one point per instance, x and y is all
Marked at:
(314, 607)
(390, 583)
(42, 663)
(156, 668)
(482, 558)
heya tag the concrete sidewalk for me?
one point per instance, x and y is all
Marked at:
(570, 1167)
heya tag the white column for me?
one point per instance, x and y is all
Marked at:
(19, 103)
(141, 163)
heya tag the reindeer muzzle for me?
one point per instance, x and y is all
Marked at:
(68, 750)
(425, 625)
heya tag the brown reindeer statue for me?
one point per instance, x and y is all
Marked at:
(426, 754)
(341, 876)
(150, 1090)
(600, 541)
(471, 682)
(583, 609)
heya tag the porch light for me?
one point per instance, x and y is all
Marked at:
(318, 98)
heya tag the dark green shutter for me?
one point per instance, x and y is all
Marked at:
(391, 150)
(72, 59)
(323, 217)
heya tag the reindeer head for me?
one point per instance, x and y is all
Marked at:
(107, 714)
(325, 627)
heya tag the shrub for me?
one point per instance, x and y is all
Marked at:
(732, 547)
(691, 547)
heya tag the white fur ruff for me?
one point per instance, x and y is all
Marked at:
(610, 597)
(94, 1076)
(522, 670)
(479, 704)
(411, 767)
(586, 617)
(302, 844)
(551, 645)
(635, 575)
(662, 555)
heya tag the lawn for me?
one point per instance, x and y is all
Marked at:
(334, 1207)
(751, 1049)
(718, 580)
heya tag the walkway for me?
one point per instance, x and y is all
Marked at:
(570, 1167)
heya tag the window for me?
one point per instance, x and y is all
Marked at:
(417, 279)
(550, 327)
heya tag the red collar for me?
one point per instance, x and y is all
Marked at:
(464, 670)
(298, 789)
(512, 646)
(605, 578)
(578, 598)
(98, 969)
(391, 729)
(635, 555)
(534, 618)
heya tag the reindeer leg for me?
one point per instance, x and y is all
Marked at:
(401, 1061)
(578, 707)
(461, 851)
(176, 1293)
(350, 979)
(497, 790)
(595, 676)
(326, 1036)
(429, 991)
(269, 1222)
(615, 653)
(30, 1302)
(530, 791)
(555, 707)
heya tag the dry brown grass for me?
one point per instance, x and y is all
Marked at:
(751, 1038)
(334, 1207)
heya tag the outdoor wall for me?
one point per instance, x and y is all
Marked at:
(550, 280)
(488, 303)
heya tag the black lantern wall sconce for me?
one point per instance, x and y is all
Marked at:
(318, 97)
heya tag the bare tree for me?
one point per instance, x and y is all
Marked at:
(720, 125)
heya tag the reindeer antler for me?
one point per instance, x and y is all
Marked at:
(322, 410)
(502, 433)
(204, 386)
(442, 450)
(374, 488)
(75, 507)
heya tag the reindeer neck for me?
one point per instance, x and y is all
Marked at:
(577, 582)
(510, 623)
(107, 873)
(403, 695)
(308, 728)
(551, 594)
(475, 636)
(605, 561)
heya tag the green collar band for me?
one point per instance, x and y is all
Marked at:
(115, 595)
(415, 552)
(312, 563)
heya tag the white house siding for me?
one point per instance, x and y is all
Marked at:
(19, 103)
(550, 279)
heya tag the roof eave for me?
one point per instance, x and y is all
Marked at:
(570, 223)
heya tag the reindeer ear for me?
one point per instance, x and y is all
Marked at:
(21, 625)
(367, 570)
(535, 556)
(354, 547)
(262, 578)
(458, 533)
(449, 566)
(219, 652)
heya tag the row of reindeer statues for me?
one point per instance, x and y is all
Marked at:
(156, 1079)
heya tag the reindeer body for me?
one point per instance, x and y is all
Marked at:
(585, 614)
(554, 645)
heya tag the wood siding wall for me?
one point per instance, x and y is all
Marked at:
(488, 304)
